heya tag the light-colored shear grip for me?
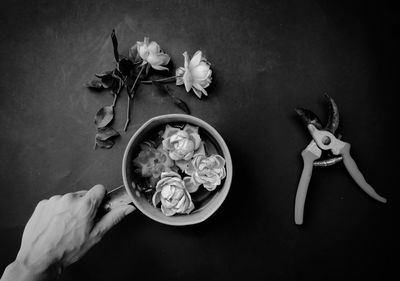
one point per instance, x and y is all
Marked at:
(310, 154)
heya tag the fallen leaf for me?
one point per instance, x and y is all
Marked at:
(106, 133)
(95, 84)
(104, 116)
(104, 144)
(115, 45)
(125, 66)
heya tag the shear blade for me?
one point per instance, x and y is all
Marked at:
(333, 119)
(309, 117)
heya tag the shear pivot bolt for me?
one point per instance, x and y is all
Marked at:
(326, 140)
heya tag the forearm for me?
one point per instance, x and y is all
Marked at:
(17, 271)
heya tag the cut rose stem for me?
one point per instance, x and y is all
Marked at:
(172, 78)
(134, 83)
(115, 100)
(130, 98)
(127, 113)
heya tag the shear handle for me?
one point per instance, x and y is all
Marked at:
(310, 154)
(353, 170)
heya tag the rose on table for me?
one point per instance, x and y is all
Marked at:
(131, 71)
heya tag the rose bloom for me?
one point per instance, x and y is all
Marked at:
(174, 197)
(152, 162)
(152, 54)
(206, 171)
(195, 74)
(181, 144)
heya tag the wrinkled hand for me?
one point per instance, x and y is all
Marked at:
(61, 230)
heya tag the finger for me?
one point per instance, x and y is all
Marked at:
(54, 198)
(80, 193)
(94, 196)
(111, 219)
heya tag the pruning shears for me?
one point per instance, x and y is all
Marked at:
(324, 140)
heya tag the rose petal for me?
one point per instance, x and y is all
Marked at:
(187, 80)
(188, 156)
(156, 173)
(156, 198)
(195, 60)
(200, 72)
(169, 131)
(160, 183)
(190, 185)
(142, 48)
(190, 168)
(174, 155)
(182, 164)
(198, 87)
(204, 83)
(223, 173)
(190, 208)
(220, 161)
(201, 150)
(180, 71)
(191, 129)
(196, 140)
(179, 81)
(198, 179)
(167, 212)
(166, 203)
(197, 92)
(153, 47)
(167, 191)
(180, 135)
(167, 145)
(157, 67)
(180, 203)
(170, 174)
(209, 187)
(157, 59)
(186, 62)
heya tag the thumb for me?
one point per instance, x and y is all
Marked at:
(111, 218)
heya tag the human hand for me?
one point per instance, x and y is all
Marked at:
(61, 230)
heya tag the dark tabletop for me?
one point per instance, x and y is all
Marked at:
(268, 57)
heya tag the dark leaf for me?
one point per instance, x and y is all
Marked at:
(104, 144)
(104, 116)
(137, 70)
(125, 66)
(117, 74)
(115, 45)
(95, 84)
(129, 82)
(109, 82)
(118, 87)
(106, 133)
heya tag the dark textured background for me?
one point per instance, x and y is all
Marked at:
(268, 57)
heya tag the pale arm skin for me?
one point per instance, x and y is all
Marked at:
(61, 230)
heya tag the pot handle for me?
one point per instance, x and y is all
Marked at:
(115, 198)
